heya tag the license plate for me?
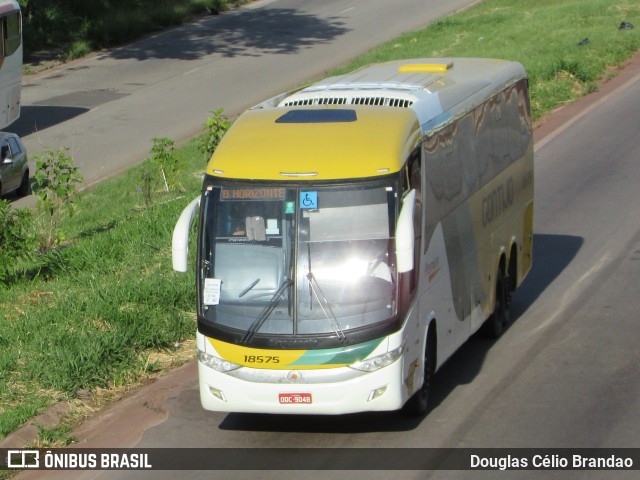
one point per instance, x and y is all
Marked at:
(295, 398)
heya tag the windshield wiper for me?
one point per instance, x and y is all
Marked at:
(273, 303)
(333, 321)
(249, 287)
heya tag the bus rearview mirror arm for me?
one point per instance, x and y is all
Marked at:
(180, 242)
(405, 237)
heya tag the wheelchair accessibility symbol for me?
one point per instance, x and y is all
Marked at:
(308, 200)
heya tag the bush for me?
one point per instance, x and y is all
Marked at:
(163, 161)
(56, 180)
(57, 24)
(17, 236)
(215, 128)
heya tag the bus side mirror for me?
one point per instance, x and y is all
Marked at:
(405, 235)
(180, 242)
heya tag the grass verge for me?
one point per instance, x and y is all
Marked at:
(104, 311)
(93, 313)
(566, 46)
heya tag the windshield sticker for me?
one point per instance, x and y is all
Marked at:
(289, 208)
(272, 226)
(308, 200)
(231, 194)
(211, 293)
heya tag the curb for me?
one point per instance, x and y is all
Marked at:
(28, 433)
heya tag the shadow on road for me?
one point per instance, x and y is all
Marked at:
(34, 118)
(243, 32)
(551, 253)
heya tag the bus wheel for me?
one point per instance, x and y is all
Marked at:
(418, 404)
(512, 273)
(497, 323)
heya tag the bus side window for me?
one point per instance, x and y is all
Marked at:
(11, 33)
(413, 181)
(412, 175)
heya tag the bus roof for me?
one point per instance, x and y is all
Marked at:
(357, 125)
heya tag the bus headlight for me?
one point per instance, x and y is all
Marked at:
(381, 361)
(218, 364)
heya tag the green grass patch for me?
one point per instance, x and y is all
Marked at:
(86, 315)
(543, 35)
(83, 315)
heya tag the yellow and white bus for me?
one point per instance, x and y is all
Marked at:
(10, 61)
(353, 234)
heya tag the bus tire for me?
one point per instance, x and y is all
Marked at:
(512, 274)
(418, 404)
(497, 323)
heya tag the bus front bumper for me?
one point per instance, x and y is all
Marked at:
(285, 392)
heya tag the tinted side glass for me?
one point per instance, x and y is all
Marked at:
(14, 145)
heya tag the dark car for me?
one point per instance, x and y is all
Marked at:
(14, 168)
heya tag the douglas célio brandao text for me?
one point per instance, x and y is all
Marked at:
(550, 461)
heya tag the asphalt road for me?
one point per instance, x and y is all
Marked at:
(106, 109)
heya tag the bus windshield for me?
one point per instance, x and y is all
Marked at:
(297, 260)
